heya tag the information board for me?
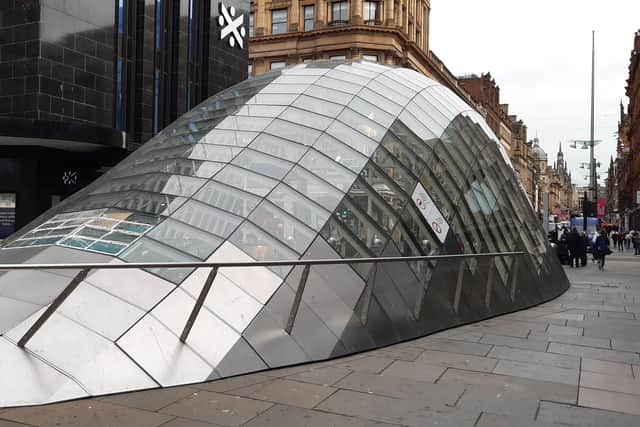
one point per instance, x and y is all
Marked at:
(430, 212)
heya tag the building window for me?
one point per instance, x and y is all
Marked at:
(191, 53)
(371, 12)
(251, 25)
(339, 12)
(279, 21)
(250, 70)
(157, 74)
(337, 58)
(120, 68)
(278, 65)
(370, 58)
(308, 17)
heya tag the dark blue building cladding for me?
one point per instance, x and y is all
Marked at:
(82, 83)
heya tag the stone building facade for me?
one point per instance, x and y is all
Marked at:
(554, 179)
(391, 32)
(628, 155)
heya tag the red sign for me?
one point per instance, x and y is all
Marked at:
(602, 203)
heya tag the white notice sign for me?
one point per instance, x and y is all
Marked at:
(430, 212)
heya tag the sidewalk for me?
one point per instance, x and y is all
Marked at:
(572, 361)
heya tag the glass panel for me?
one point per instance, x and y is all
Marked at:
(328, 94)
(344, 74)
(299, 206)
(227, 198)
(293, 132)
(340, 85)
(187, 239)
(147, 250)
(207, 218)
(159, 204)
(279, 147)
(319, 106)
(216, 153)
(273, 99)
(262, 163)
(110, 248)
(362, 226)
(354, 139)
(383, 103)
(361, 123)
(306, 119)
(229, 137)
(340, 153)
(313, 187)
(261, 110)
(245, 180)
(371, 111)
(334, 174)
(262, 247)
(244, 123)
(282, 226)
(369, 202)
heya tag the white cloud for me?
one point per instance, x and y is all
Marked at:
(539, 53)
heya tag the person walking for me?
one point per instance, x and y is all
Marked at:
(621, 236)
(582, 248)
(601, 248)
(573, 243)
(636, 243)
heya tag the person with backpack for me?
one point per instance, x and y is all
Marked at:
(601, 248)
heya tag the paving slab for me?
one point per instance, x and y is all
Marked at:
(217, 408)
(542, 358)
(414, 370)
(526, 344)
(395, 411)
(372, 364)
(571, 339)
(233, 383)
(455, 360)
(434, 396)
(284, 416)
(293, 393)
(623, 345)
(594, 380)
(497, 400)
(326, 376)
(609, 400)
(83, 413)
(572, 415)
(613, 369)
(538, 372)
(452, 346)
(151, 400)
(594, 353)
(544, 390)
(495, 420)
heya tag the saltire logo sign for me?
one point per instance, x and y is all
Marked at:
(230, 26)
(430, 212)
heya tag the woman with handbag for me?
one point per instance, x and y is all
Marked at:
(601, 248)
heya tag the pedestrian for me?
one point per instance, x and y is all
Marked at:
(621, 237)
(628, 238)
(573, 243)
(636, 243)
(582, 248)
(601, 248)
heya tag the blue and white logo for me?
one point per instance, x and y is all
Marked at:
(231, 26)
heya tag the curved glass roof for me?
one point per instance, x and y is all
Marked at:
(320, 160)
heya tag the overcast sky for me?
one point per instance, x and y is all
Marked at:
(539, 53)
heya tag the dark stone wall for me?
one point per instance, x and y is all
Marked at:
(19, 64)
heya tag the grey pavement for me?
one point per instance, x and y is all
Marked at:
(571, 361)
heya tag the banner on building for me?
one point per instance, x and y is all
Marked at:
(602, 203)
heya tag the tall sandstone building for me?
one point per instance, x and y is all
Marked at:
(392, 32)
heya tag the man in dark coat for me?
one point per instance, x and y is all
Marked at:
(573, 242)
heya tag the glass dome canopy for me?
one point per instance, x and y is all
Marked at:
(321, 160)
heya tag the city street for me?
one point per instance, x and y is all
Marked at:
(571, 361)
